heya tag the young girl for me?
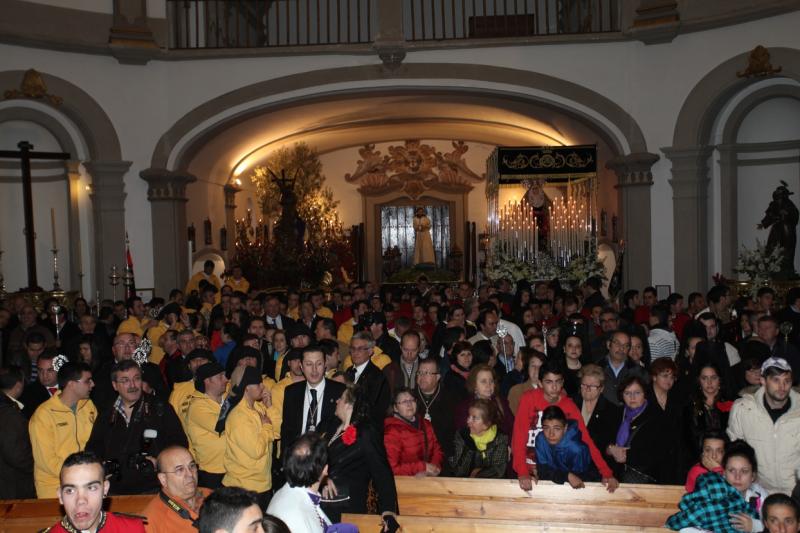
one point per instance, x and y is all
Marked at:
(560, 453)
(711, 458)
(730, 502)
(480, 449)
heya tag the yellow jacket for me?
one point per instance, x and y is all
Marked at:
(181, 397)
(132, 325)
(242, 285)
(378, 358)
(207, 444)
(275, 412)
(345, 331)
(56, 432)
(248, 451)
(324, 312)
(194, 282)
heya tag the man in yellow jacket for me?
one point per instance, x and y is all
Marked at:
(201, 422)
(249, 437)
(206, 274)
(136, 323)
(183, 391)
(61, 426)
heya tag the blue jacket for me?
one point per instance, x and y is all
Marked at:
(569, 455)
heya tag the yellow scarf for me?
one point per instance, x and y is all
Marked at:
(482, 441)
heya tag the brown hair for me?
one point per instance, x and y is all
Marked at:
(488, 411)
(663, 364)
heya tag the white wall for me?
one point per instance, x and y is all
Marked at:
(649, 82)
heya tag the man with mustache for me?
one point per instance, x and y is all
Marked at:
(132, 432)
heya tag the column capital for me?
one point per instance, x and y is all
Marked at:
(166, 184)
(230, 194)
(633, 169)
(656, 21)
(689, 171)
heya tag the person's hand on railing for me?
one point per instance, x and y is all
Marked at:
(610, 483)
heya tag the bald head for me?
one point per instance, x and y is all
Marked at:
(177, 472)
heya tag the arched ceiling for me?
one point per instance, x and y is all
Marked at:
(355, 120)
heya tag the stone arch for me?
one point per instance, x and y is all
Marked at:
(691, 148)
(102, 141)
(629, 140)
(46, 121)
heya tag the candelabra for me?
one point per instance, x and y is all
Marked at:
(128, 280)
(57, 309)
(113, 279)
(56, 286)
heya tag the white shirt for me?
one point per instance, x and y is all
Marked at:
(277, 322)
(320, 388)
(359, 369)
(294, 506)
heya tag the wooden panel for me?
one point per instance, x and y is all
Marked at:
(544, 491)
(421, 524)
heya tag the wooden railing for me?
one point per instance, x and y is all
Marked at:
(426, 20)
(268, 23)
(25, 516)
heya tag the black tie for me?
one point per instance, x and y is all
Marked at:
(311, 420)
(351, 374)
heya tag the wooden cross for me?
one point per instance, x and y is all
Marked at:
(25, 154)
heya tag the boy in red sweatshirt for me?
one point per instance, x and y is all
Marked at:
(527, 424)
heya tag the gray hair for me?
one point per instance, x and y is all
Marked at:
(364, 336)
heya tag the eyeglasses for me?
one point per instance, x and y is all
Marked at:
(407, 402)
(621, 345)
(426, 373)
(181, 470)
(590, 387)
(127, 381)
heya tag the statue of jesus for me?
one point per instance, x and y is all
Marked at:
(423, 243)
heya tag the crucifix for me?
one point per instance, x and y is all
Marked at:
(25, 154)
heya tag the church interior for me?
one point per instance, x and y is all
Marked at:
(328, 145)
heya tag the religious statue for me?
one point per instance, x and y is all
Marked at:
(290, 229)
(782, 217)
(423, 243)
(538, 200)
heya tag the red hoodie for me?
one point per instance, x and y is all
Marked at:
(527, 424)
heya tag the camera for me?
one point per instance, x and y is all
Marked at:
(139, 461)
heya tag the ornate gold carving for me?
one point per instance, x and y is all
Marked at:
(548, 159)
(34, 88)
(758, 64)
(413, 169)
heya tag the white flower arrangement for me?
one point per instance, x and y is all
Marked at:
(758, 265)
(584, 267)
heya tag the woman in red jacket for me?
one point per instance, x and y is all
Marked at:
(411, 445)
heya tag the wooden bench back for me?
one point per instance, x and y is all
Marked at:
(26, 516)
(424, 524)
(633, 505)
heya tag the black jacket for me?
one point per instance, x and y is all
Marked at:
(376, 391)
(16, 457)
(33, 395)
(604, 422)
(389, 346)
(293, 416)
(112, 439)
(352, 467)
(646, 446)
(441, 405)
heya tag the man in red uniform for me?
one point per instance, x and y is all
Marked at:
(82, 489)
(527, 425)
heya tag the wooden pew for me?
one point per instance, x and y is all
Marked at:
(424, 524)
(26, 516)
(630, 505)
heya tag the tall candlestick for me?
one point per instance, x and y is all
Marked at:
(53, 227)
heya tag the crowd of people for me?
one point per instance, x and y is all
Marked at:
(293, 408)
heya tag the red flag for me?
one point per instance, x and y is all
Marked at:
(129, 279)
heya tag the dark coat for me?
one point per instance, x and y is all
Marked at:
(352, 467)
(377, 393)
(293, 415)
(112, 439)
(674, 461)
(646, 446)
(33, 395)
(389, 346)
(16, 457)
(604, 422)
(467, 458)
(697, 420)
(440, 408)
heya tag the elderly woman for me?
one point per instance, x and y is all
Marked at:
(532, 361)
(639, 446)
(481, 448)
(482, 385)
(601, 417)
(411, 444)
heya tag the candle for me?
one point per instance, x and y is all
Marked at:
(53, 227)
